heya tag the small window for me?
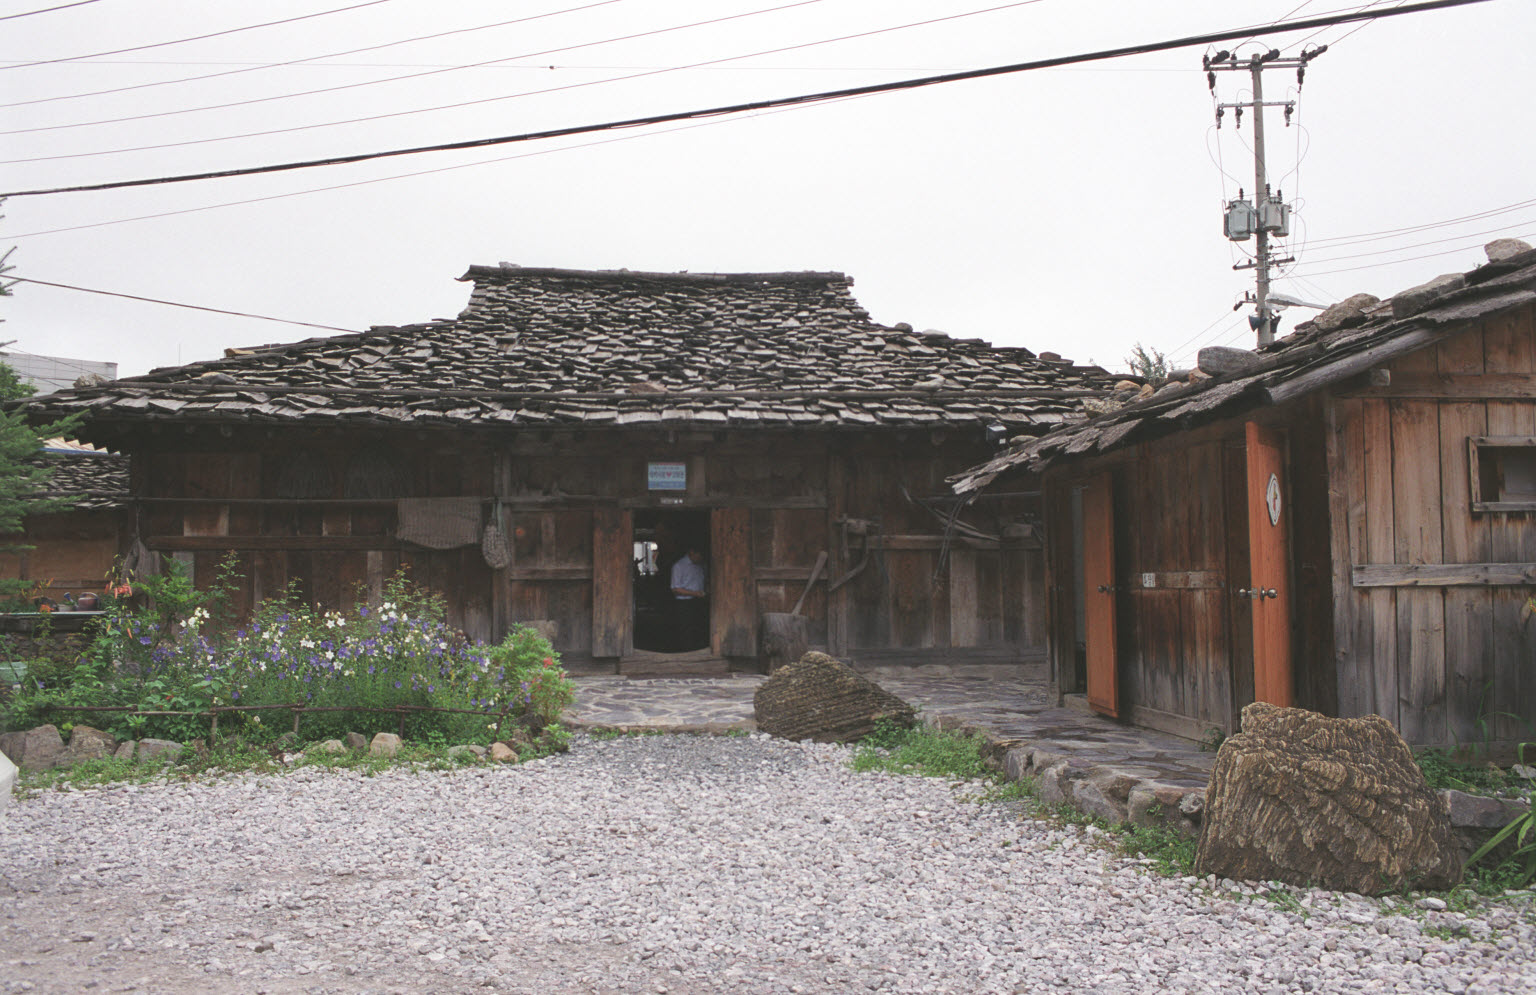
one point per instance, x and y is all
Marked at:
(1503, 472)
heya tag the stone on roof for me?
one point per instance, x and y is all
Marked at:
(1342, 342)
(546, 347)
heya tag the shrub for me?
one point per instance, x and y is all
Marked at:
(160, 651)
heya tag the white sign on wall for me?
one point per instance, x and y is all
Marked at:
(666, 476)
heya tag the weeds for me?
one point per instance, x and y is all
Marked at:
(922, 750)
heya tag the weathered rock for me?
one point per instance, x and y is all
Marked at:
(125, 749)
(478, 752)
(1344, 314)
(502, 753)
(1501, 249)
(385, 744)
(1415, 299)
(1476, 818)
(1219, 360)
(1161, 805)
(154, 749)
(820, 698)
(1336, 803)
(357, 741)
(87, 743)
(330, 746)
(34, 749)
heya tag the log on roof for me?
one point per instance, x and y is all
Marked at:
(1319, 354)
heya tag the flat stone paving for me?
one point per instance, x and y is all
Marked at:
(1014, 714)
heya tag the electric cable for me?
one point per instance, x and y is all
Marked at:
(1361, 237)
(889, 87)
(422, 172)
(547, 90)
(193, 307)
(1435, 241)
(256, 67)
(183, 41)
(390, 79)
(47, 10)
(1394, 262)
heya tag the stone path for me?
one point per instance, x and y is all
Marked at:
(1100, 766)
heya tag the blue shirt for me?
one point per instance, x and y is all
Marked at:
(689, 576)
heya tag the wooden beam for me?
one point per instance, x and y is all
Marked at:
(1454, 386)
(927, 542)
(1443, 574)
(1353, 365)
(272, 543)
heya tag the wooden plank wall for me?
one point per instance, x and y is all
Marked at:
(1438, 661)
(313, 512)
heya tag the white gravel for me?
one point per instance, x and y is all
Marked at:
(662, 864)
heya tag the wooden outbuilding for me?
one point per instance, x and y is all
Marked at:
(72, 549)
(548, 455)
(1344, 521)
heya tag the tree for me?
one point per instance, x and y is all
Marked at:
(23, 472)
(1150, 365)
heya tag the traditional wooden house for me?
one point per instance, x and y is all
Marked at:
(72, 549)
(548, 454)
(1344, 521)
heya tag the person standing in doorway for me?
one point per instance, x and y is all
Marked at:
(690, 578)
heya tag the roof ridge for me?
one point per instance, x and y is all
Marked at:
(507, 270)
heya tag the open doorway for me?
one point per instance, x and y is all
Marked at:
(666, 622)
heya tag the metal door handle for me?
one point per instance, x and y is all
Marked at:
(1107, 589)
(1268, 592)
(1257, 593)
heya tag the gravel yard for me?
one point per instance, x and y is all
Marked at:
(663, 864)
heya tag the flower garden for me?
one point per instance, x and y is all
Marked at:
(166, 660)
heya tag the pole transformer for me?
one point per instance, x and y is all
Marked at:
(1267, 215)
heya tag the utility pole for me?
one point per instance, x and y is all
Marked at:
(1267, 214)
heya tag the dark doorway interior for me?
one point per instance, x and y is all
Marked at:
(663, 623)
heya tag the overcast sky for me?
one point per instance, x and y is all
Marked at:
(1076, 210)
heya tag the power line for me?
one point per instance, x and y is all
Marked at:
(374, 82)
(250, 67)
(192, 307)
(552, 89)
(909, 84)
(47, 10)
(1419, 245)
(1394, 262)
(1376, 236)
(183, 41)
(405, 176)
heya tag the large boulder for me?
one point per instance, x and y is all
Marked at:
(87, 743)
(34, 749)
(1338, 803)
(820, 698)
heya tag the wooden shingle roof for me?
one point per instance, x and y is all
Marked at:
(552, 347)
(86, 480)
(1342, 343)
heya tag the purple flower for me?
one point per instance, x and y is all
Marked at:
(235, 695)
(145, 640)
(397, 684)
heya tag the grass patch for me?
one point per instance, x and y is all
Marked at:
(922, 750)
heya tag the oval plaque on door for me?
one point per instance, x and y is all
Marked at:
(1272, 499)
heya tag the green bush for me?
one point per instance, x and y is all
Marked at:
(158, 648)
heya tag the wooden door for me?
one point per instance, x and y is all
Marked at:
(1099, 595)
(733, 591)
(1268, 557)
(613, 550)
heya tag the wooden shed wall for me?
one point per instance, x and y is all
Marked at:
(72, 552)
(1437, 651)
(307, 509)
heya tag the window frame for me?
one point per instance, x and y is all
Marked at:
(1475, 445)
